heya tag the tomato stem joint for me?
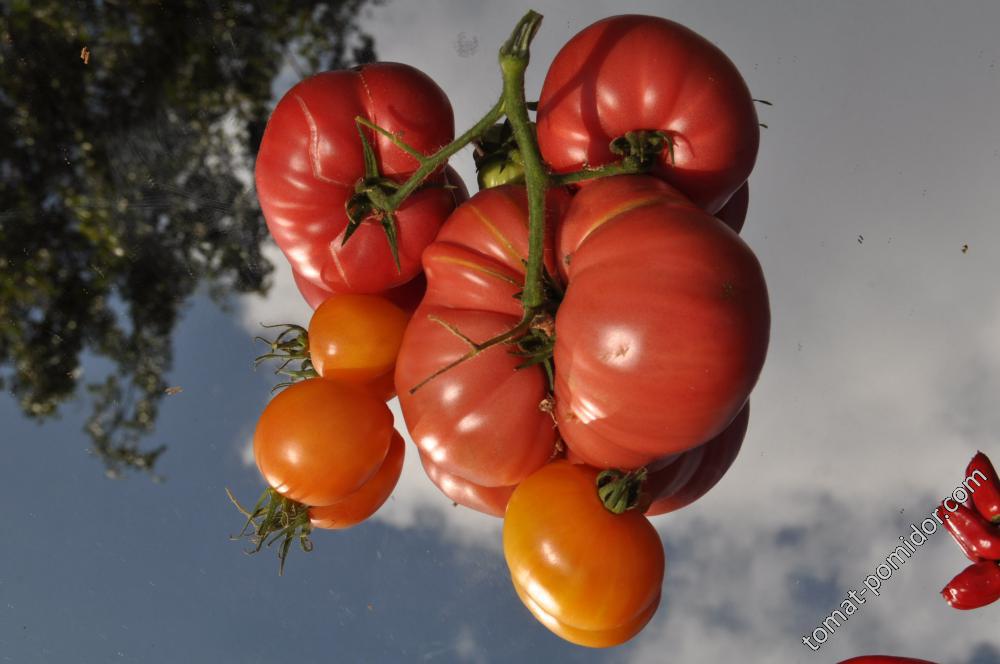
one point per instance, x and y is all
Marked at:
(621, 491)
(642, 148)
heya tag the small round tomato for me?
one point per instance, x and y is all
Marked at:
(634, 73)
(490, 500)
(320, 440)
(481, 419)
(355, 338)
(590, 576)
(364, 502)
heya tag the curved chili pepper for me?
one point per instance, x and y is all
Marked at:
(944, 516)
(975, 586)
(884, 659)
(977, 536)
(985, 496)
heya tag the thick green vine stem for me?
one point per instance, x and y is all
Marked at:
(291, 345)
(514, 57)
(275, 518)
(621, 491)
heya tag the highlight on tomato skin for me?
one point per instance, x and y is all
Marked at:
(663, 304)
(365, 501)
(589, 638)
(319, 440)
(479, 420)
(590, 576)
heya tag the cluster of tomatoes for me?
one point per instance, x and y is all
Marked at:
(572, 368)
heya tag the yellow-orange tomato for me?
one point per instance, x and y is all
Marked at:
(592, 577)
(364, 502)
(355, 338)
(319, 440)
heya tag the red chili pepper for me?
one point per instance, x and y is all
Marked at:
(977, 536)
(944, 515)
(884, 659)
(975, 586)
(985, 496)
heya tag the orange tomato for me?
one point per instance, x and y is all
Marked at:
(355, 338)
(320, 440)
(364, 502)
(592, 577)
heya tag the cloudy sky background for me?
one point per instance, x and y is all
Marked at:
(880, 162)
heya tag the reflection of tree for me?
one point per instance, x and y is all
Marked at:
(124, 182)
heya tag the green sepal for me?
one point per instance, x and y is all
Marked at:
(389, 226)
(621, 491)
(643, 146)
(272, 518)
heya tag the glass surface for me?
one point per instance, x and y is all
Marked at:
(135, 271)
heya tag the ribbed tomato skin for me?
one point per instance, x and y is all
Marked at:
(664, 326)
(628, 73)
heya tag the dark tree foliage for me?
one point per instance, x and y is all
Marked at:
(127, 135)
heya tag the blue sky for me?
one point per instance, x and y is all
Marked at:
(881, 383)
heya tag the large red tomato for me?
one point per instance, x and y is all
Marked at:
(481, 420)
(629, 73)
(695, 472)
(663, 328)
(490, 500)
(311, 158)
(734, 212)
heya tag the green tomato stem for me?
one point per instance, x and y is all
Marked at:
(626, 167)
(621, 491)
(432, 162)
(514, 57)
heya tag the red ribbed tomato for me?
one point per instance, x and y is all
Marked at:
(490, 500)
(695, 472)
(311, 158)
(660, 336)
(479, 421)
(629, 73)
(663, 328)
